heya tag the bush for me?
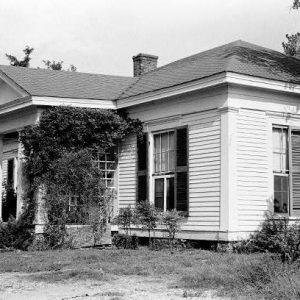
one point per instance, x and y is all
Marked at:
(276, 235)
(125, 241)
(15, 234)
(172, 220)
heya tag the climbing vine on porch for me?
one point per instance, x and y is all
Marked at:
(59, 154)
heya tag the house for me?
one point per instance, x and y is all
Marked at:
(221, 142)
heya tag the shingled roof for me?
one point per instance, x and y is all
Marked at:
(43, 82)
(238, 57)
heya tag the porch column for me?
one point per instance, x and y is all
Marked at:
(1, 158)
(21, 179)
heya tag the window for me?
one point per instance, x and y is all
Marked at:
(107, 165)
(169, 176)
(164, 152)
(281, 169)
(164, 167)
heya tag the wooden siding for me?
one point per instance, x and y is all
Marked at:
(252, 168)
(204, 170)
(127, 172)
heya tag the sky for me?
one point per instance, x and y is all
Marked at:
(101, 36)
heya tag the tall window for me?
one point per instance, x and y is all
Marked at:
(164, 162)
(280, 169)
(169, 176)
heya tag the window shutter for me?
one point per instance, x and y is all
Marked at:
(181, 174)
(142, 181)
(295, 171)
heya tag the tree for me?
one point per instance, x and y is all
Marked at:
(21, 63)
(58, 65)
(52, 65)
(290, 46)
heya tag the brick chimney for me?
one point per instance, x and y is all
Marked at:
(144, 63)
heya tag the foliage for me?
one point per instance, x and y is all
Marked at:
(125, 241)
(148, 217)
(69, 129)
(15, 234)
(21, 63)
(59, 156)
(172, 220)
(290, 46)
(57, 65)
(276, 235)
(296, 4)
(125, 219)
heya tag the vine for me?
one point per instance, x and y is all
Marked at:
(59, 158)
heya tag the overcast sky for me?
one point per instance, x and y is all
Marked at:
(101, 36)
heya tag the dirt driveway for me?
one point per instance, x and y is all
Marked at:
(19, 286)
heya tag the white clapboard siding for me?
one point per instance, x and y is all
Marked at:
(252, 168)
(204, 171)
(127, 172)
(4, 171)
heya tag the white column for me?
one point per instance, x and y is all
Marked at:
(150, 167)
(228, 206)
(1, 158)
(21, 180)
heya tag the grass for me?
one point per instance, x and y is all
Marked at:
(195, 271)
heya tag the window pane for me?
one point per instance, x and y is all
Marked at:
(276, 138)
(171, 140)
(157, 162)
(164, 161)
(281, 194)
(276, 162)
(159, 193)
(170, 193)
(157, 144)
(171, 161)
(164, 142)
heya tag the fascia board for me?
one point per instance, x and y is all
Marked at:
(212, 81)
(215, 80)
(91, 103)
(264, 83)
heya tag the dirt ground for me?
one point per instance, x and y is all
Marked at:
(19, 286)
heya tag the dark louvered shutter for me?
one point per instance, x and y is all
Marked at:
(295, 170)
(142, 155)
(181, 174)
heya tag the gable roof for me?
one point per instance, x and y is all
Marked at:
(238, 57)
(62, 84)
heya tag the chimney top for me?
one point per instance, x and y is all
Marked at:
(144, 63)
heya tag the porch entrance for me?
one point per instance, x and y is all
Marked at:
(9, 197)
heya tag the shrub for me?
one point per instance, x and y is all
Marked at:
(276, 235)
(15, 234)
(147, 216)
(125, 219)
(125, 241)
(172, 221)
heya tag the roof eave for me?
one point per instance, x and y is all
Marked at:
(215, 80)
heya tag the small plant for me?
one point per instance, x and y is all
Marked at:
(15, 234)
(125, 241)
(147, 216)
(172, 220)
(276, 235)
(125, 219)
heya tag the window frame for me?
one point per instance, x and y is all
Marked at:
(286, 172)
